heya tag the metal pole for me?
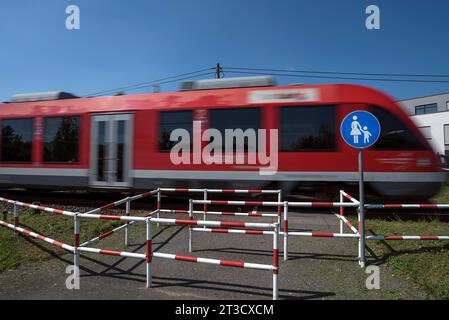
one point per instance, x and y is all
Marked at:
(361, 212)
(279, 207)
(149, 253)
(128, 209)
(205, 205)
(16, 217)
(76, 252)
(276, 262)
(285, 230)
(341, 212)
(158, 204)
(190, 227)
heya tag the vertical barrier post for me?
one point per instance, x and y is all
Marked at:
(276, 262)
(279, 207)
(205, 205)
(76, 253)
(16, 216)
(149, 253)
(158, 205)
(361, 214)
(190, 227)
(285, 230)
(341, 212)
(128, 209)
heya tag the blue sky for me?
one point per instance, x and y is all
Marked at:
(126, 42)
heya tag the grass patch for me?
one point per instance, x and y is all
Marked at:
(426, 263)
(17, 249)
(442, 196)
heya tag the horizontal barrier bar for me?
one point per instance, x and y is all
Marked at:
(38, 236)
(221, 213)
(239, 203)
(39, 208)
(109, 217)
(226, 263)
(407, 206)
(323, 234)
(219, 190)
(238, 231)
(278, 204)
(231, 224)
(323, 204)
(113, 253)
(407, 238)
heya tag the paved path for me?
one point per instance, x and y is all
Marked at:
(320, 268)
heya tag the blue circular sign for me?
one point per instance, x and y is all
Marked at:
(360, 129)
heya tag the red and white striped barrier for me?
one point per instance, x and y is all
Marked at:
(111, 232)
(226, 263)
(245, 191)
(407, 206)
(38, 208)
(426, 238)
(207, 191)
(324, 234)
(37, 236)
(347, 223)
(231, 224)
(237, 231)
(122, 201)
(222, 213)
(277, 204)
(349, 197)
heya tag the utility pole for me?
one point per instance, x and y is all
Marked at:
(218, 70)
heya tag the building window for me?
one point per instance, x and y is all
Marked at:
(427, 132)
(172, 120)
(17, 140)
(307, 128)
(447, 105)
(426, 108)
(394, 134)
(232, 119)
(61, 139)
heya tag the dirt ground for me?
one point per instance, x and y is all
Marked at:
(319, 268)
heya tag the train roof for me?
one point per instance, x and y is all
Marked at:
(196, 99)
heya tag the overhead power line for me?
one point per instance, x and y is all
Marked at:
(153, 82)
(344, 73)
(336, 77)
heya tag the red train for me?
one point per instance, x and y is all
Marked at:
(59, 141)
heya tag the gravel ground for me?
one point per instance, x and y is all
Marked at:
(319, 268)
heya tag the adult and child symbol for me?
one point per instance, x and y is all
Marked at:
(360, 129)
(356, 131)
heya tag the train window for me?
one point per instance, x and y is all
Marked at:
(172, 120)
(61, 139)
(395, 135)
(307, 128)
(17, 140)
(241, 118)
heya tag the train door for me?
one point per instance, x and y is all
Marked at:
(111, 150)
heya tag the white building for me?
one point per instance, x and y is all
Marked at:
(431, 115)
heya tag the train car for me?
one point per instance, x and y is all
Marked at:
(59, 141)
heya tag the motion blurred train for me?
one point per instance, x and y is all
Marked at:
(59, 141)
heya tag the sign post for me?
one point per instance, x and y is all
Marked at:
(360, 129)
